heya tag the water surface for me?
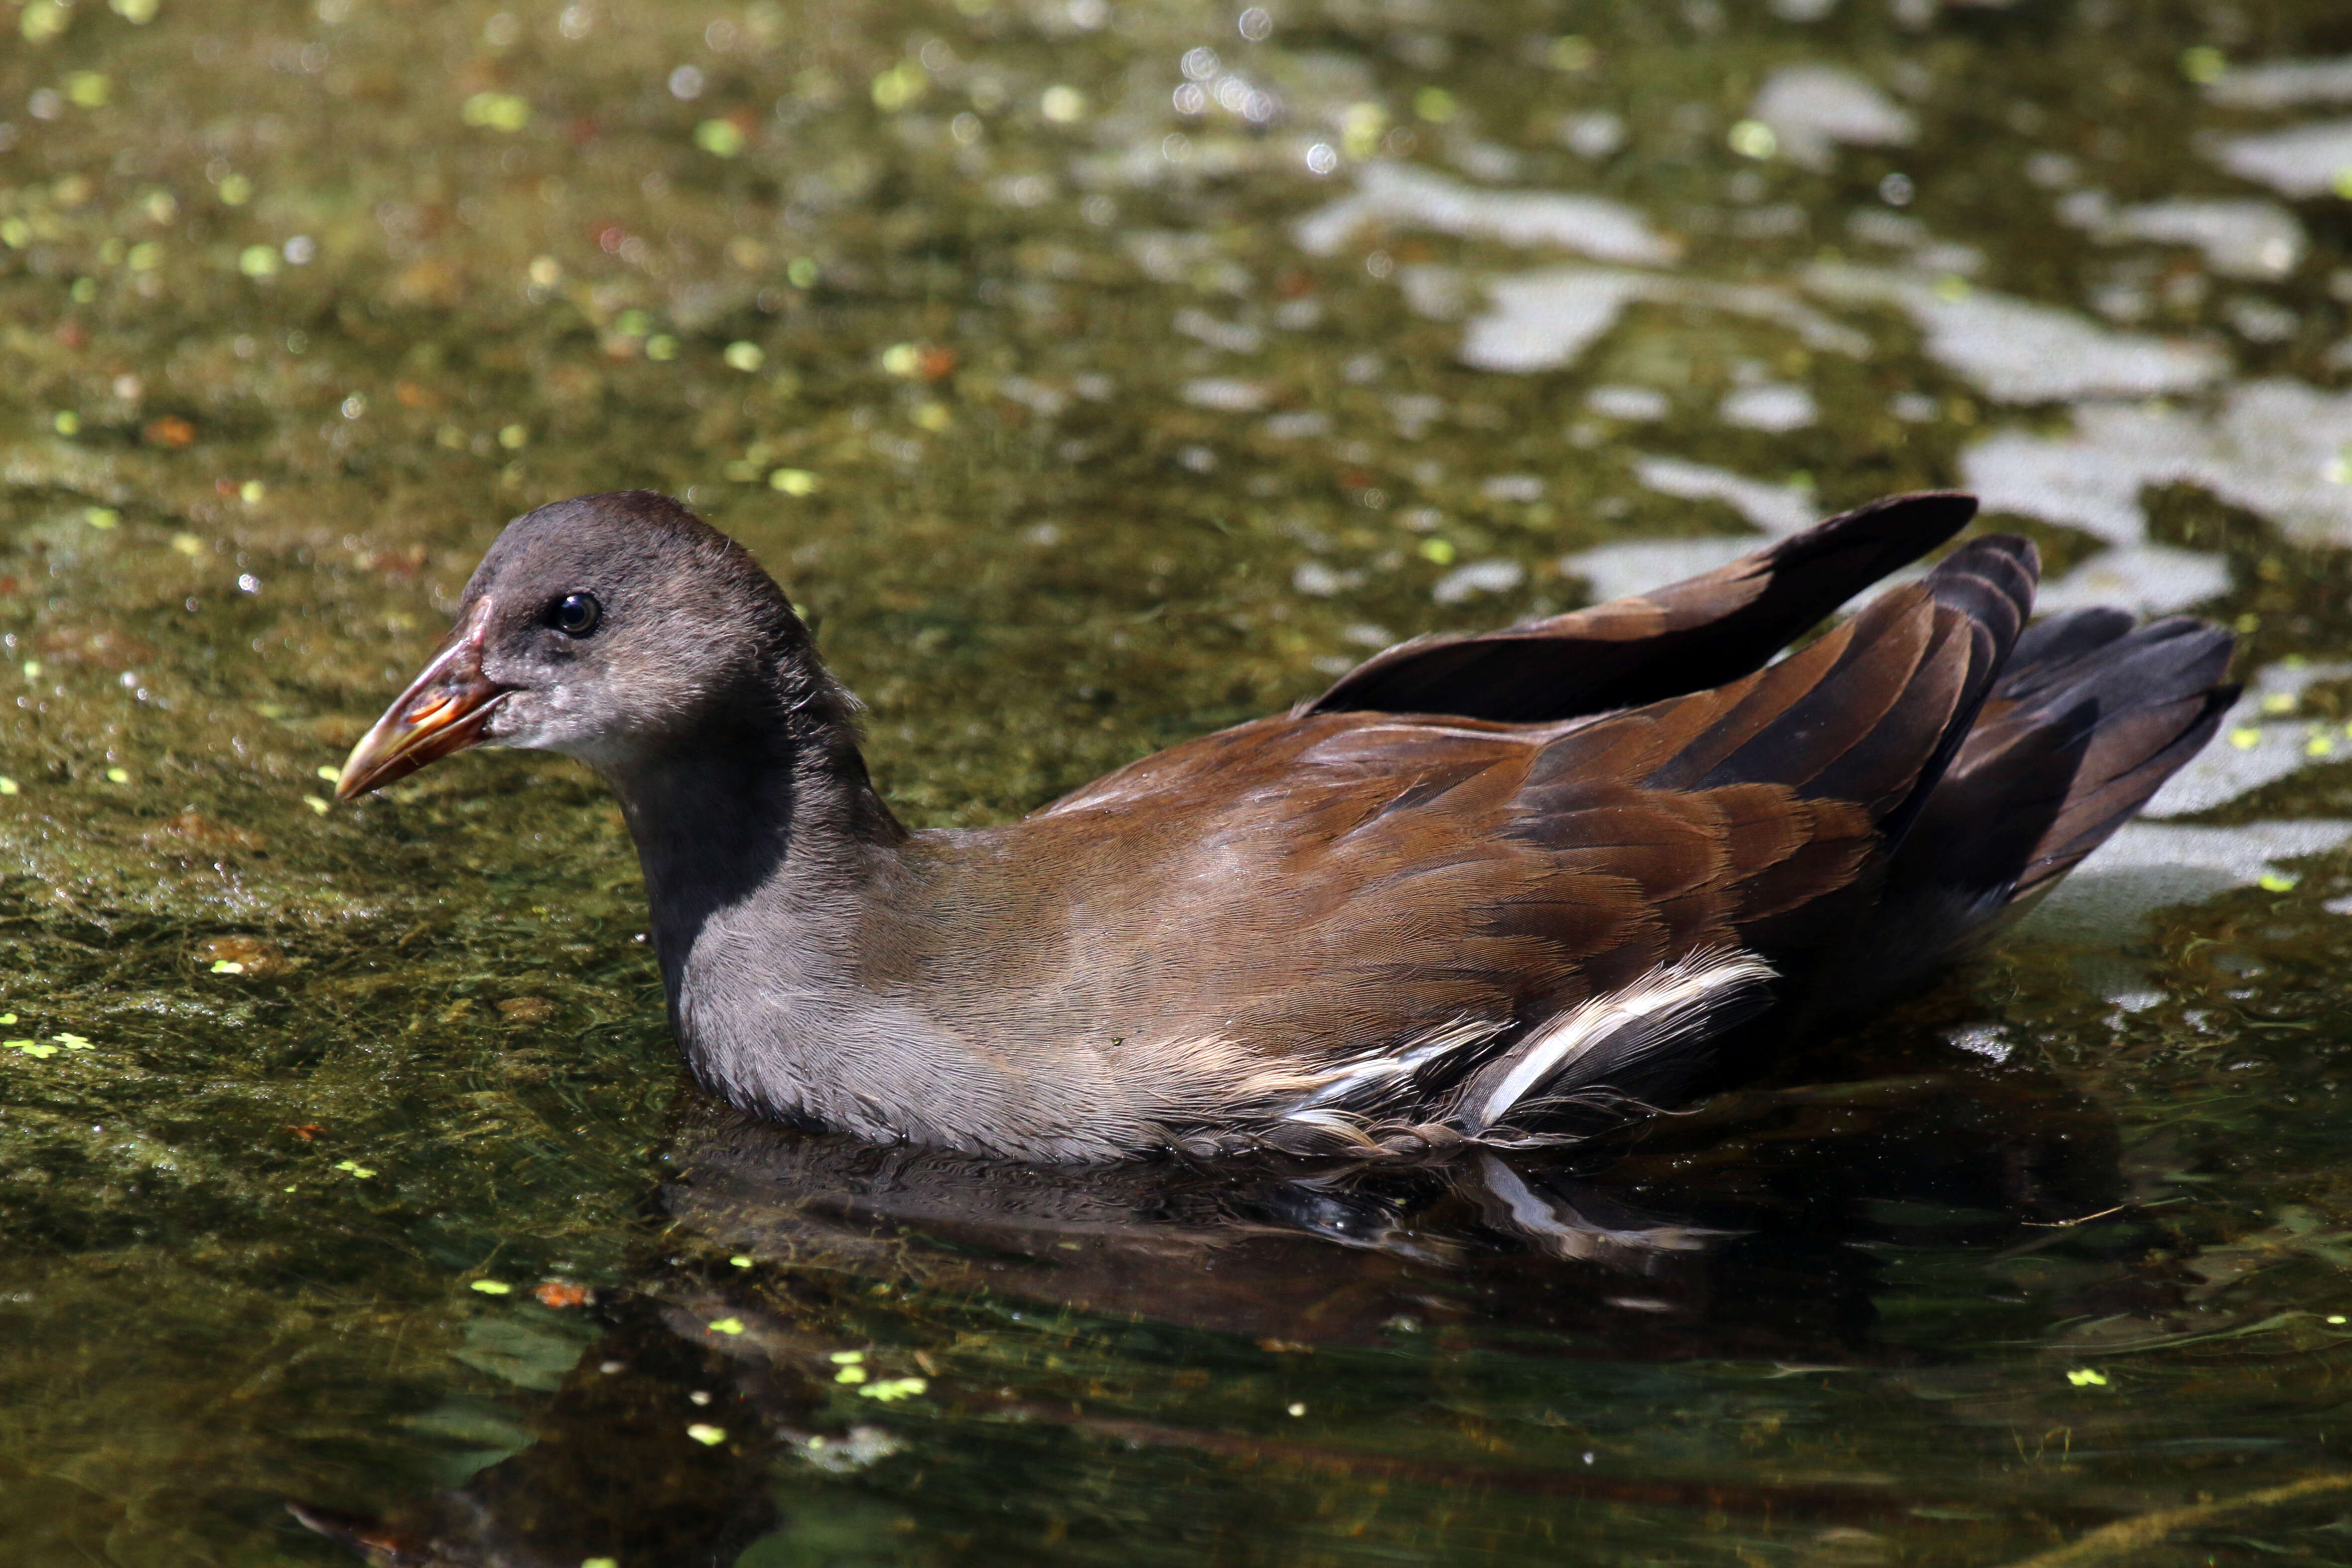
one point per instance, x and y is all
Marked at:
(1096, 374)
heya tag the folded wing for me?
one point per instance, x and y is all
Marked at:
(1683, 638)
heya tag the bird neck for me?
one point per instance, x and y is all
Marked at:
(769, 818)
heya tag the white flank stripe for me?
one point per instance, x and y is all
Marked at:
(1363, 1074)
(1686, 987)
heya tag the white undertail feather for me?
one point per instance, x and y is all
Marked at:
(1366, 1079)
(1661, 1008)
(1573, 1056)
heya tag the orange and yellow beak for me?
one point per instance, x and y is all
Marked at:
(443, 712)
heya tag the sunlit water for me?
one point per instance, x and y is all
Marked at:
(1096, 375)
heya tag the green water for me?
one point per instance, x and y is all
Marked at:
(1090, 391)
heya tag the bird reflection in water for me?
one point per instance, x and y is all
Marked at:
(1747, 1229)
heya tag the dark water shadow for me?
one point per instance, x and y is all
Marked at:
(1749, 1230)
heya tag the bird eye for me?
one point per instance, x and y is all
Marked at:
(575, 615)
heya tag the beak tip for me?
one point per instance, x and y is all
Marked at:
(362, 771)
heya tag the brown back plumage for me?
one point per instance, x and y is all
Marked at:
(1512, 874)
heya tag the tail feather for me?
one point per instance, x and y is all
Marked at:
(1904, 683)
(2090, 718)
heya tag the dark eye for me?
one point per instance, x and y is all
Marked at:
(575, 615)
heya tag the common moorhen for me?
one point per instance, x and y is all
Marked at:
(1501, 889)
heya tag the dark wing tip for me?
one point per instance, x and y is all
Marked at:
(1683, 638)
(1915, 522)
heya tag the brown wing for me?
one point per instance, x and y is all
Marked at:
(1349, 887)
(1679, 640)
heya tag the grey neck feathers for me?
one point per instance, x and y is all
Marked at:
(761, 821)
(797, 923)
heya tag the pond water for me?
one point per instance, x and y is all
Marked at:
(1095, 373)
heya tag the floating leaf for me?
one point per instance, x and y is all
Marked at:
(2083, 1377)
(496, 111)
(727, 1326)
(315, 804)
(330, 773)
(850, 1375)
(36, 1049)
(355, 1168)
(846, 1358)
(72, 1042)
(227, 966)
(894, 1388)
(493, 1287)
(707, 1435)
(738, 1260)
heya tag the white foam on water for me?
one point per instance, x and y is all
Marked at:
(2149, 865)
(1816, 109)
(1543, 320)
(2301, 161)
(1399, 196)
(1234, 337)
(2247, 239)
(1440, 293)
(1595, 134)
(2146, 579)
(1637, 565)
(2278, 448)
(1297, 425)
(1226, 394)
(2015, 351)
(1477, 578)
(1773, 406)
(2283, 84)
(1631, 403)
(1777, 509)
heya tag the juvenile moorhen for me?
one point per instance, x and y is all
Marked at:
(1502, 889)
